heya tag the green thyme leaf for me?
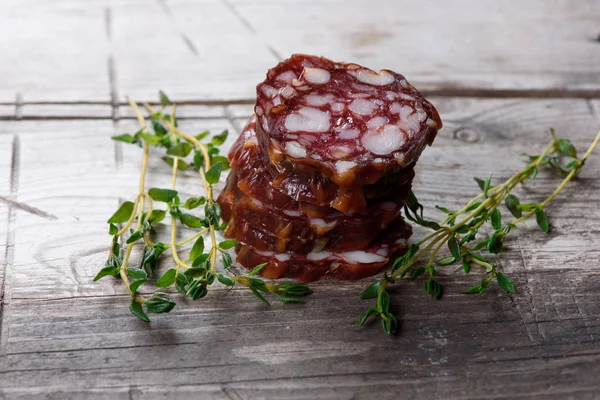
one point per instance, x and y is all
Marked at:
(454, 247)
(191, 221)
(486, 185)
(181, 165)
(194, 202)
(201, 261)
(365, 316)
(512, 203)
(107, 271)
(465, 265)
(474, 290)
(256, 269)
(137, 310)
(164, 195)
(495, 244)
(137, 273)
(182, 149)
(197, 248)
(505, 283)
(496, 219)
(542, 220)
(157, 216)
(134, 237)
(167, 279)
(371, 291)
(202, 135)
(134, 285)
(227, 261)
(225, 280)
(181, 282)
(566, 148)
(122, 214)
(389, 323)
(260, 296)
(164, 100)
(480, 183)
(416, 273)
(112, 229)
(223, 160)
(125, 138)
(227, 244)
(159, 303)
(473, 206)
(448, 260)
(219, 139)
(288, 300)
(214, 173)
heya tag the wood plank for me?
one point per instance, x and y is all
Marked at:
(220, 49)
(67, 48)
(66, 335)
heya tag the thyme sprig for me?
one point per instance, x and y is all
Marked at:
(460, 230)
(192, 276)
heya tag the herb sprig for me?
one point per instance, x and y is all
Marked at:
(460, 230)
(193, 276)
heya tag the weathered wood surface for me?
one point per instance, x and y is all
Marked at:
(66, 67)
(65, 336)
(97, 51)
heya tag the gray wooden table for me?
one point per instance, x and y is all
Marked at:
(500, 73)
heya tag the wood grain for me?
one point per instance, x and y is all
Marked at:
(219, 49)
(64, 336)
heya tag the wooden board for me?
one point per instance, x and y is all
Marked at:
(219, 49)
(65, 336)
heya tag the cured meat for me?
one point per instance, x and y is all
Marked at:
(344, 265)
(254, 181)
(321, 171)
(260, 226)
(352, 124)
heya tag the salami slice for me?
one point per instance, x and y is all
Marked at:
(344, 265)
(311, 189)
(350, 123)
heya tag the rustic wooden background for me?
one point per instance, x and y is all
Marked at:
(500, 72)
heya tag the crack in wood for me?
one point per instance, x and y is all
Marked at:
(189, 44)
(250, 28)
(9, 248)
(27, 208)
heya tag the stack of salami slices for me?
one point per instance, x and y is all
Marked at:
(323, 168)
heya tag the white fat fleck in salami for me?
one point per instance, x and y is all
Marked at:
(321, 223)
(287, 76)
(343, 166)
(295, 149)
(409, 124)
(318, 100)
(407, 97)
(361, 257)
(377, 122)
(282, 257)
(308, 120)
(292, 213)
(317, 76)
(391, 95)
(373, 78)
(338, 152)
(385, 141)
(287, 92)
(276, 100)
(259, 111)
(338, 107)
(321, 255)
(269, 91)
(296, 82)
(382, 252)
(421, 114)
(349, 133)
(362, 107)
